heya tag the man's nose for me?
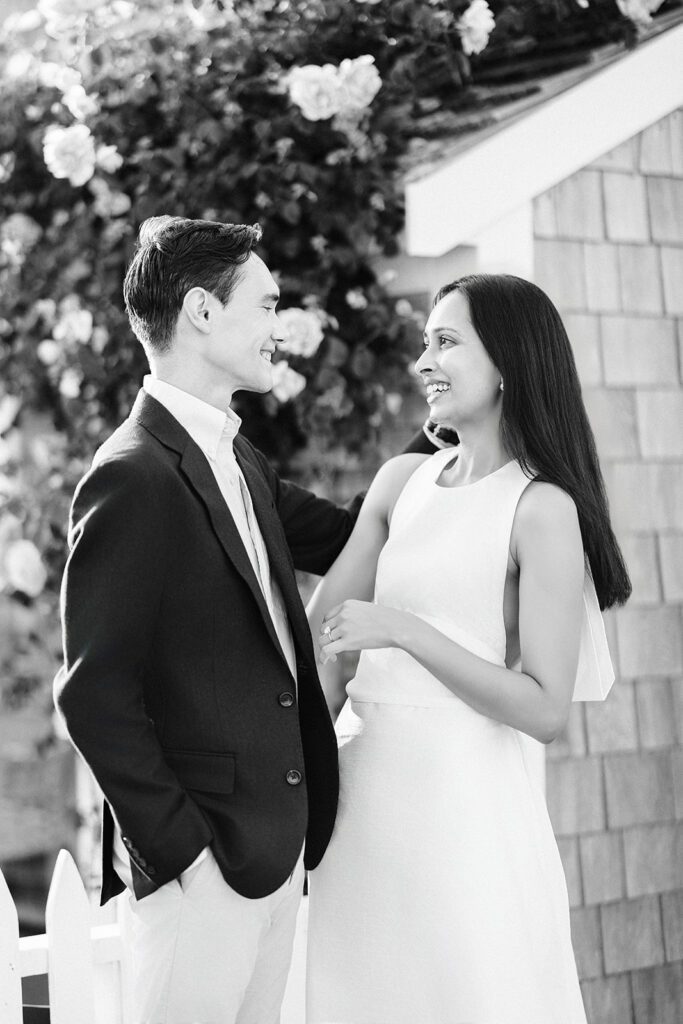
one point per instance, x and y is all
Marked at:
(278, 332)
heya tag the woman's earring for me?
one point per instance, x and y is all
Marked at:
(502, 386)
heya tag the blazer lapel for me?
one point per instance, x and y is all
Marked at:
(195, 467)
(276, 545)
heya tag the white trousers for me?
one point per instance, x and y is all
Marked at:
(202, 954)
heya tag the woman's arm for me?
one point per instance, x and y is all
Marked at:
(546, 544)
(353, 573)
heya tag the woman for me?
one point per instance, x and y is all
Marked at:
(441, 899)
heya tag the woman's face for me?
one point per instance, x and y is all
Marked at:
(462, 384)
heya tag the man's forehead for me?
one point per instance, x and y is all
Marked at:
(257, 277)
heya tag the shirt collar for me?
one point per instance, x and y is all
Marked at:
(207, 426)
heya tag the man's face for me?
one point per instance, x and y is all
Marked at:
(245, 332)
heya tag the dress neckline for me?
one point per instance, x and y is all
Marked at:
(465, 487)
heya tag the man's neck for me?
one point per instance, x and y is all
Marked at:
(213, 393)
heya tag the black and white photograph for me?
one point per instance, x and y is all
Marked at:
(341, 512)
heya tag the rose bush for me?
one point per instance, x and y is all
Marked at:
(295, 115)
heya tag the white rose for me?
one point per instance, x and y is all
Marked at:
(70, 153)
(70, 384)
(58, 76)
(100, 337)
(639, 11)
(355, 299)
(475, 26)
(109, 159)
(9, 407)
(78, 103)
(360, 80)
(317, 91)
(10, 526)
(108, 203)
(74, 326)
(10, 530)
(19, 233)
(393, 401)
(19, 65)
(48, 351)
(26, 21)
(303, 331)
(63, 16)
(287, 383)
(24, 568)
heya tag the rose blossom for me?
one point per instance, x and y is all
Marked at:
(475, 26)
(58, 76)
(20, 232)
(317, 91)
(360, 80)
(74, 326)
(393, 401)
(9, 407)
(70, 153)
(48, 351)
(24, 569)
(355, 299)
(10, 530)
(639, 11)
(303, 331)
(287, 383)
(70, 384)
(78, 103)
(108, 203)
(109, 159)
(63, 16)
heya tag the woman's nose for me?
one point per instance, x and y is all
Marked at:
(424, 363)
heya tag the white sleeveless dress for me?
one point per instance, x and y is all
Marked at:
(441, 898)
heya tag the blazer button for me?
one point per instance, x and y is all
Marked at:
(286, 699)
(151, 870)
(293, 777)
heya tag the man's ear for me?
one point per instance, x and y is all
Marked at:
(197, 308)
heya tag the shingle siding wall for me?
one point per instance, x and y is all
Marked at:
(609, 252)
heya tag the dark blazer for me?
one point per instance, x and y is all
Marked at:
(175, 689)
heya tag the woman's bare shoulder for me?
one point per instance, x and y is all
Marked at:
(392, 477)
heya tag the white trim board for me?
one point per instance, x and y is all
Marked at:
(456, 202)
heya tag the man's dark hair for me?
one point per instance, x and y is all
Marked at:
(175, 254)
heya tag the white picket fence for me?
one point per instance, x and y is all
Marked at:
(87, 962)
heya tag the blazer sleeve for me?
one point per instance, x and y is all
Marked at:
(316, 528)
(111, 595)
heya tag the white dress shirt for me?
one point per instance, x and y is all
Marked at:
(213, 431)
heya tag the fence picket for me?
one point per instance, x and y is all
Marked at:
(10, 973)
(70, 953)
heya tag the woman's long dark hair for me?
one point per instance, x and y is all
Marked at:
(543, 420)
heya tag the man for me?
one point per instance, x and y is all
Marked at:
(189, 682)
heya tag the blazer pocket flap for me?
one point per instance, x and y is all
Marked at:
(207, 773)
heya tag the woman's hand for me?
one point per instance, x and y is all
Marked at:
(359, 626)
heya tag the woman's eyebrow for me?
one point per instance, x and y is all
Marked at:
(271, 297)
(438, 330)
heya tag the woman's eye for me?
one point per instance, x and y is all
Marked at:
(444, 340)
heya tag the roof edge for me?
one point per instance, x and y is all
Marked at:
(569, 131)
